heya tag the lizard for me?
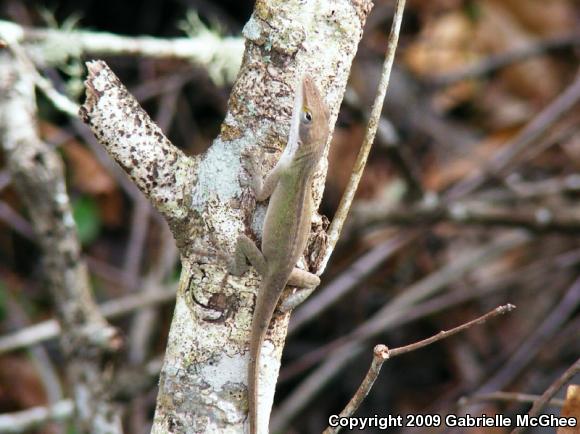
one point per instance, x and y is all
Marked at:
(286, 224)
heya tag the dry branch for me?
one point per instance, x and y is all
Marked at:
(506, 397)
(371, 130)
(382, 353)
(550, 392)
(539, 219)
(87, 341)
(390, 314)
(501, 60)
(159, 169)
(202, 385)
(220, 55)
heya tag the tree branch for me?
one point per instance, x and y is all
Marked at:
(550, 392)
(373, 124)
(202, 383)
(220, 55)
(354, 342)
(501, 60)
(160, 170)
(536, 219)
(37, 172)
(381, 354)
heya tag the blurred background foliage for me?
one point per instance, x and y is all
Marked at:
(439, 128)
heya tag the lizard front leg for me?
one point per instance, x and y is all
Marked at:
(262, 188)
(245, 247)
(246, 250)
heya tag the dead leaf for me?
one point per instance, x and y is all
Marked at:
(438, 176)
(88, 175)
(500, 31)
(20, 386)
(445, 44)
(544, 17)
(571, 409)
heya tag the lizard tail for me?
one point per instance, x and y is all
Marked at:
(263, 311)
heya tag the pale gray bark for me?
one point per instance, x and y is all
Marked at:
(206, 202)
(219, 55)
(87, 340)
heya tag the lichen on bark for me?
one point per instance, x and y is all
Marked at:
(203, 380)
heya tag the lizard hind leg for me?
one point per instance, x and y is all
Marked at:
(306, 283)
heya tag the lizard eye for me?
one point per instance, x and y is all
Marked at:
(306, 116)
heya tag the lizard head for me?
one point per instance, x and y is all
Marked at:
(313, 120)
(309, 128)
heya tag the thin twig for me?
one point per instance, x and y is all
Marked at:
(437, 305)
(409, 306)
(550, 392)
(347, 281)
(446, 333)
(26, 420)
(538, 219)
(359, 165)
(383, 319)
(524, 398)
(381, 353)
(504, 158)
(435, 282)
(501, 60)
(523, 356)
(50, 329)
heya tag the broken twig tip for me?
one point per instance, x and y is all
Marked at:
(95, 66)
(382, 351)
(507, 308)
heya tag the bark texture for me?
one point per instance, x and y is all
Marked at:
(207, 202)
(87, 340)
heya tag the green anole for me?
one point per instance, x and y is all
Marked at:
(287, 222)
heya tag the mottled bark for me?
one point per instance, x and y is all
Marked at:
(207, 202)
(37, 171)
